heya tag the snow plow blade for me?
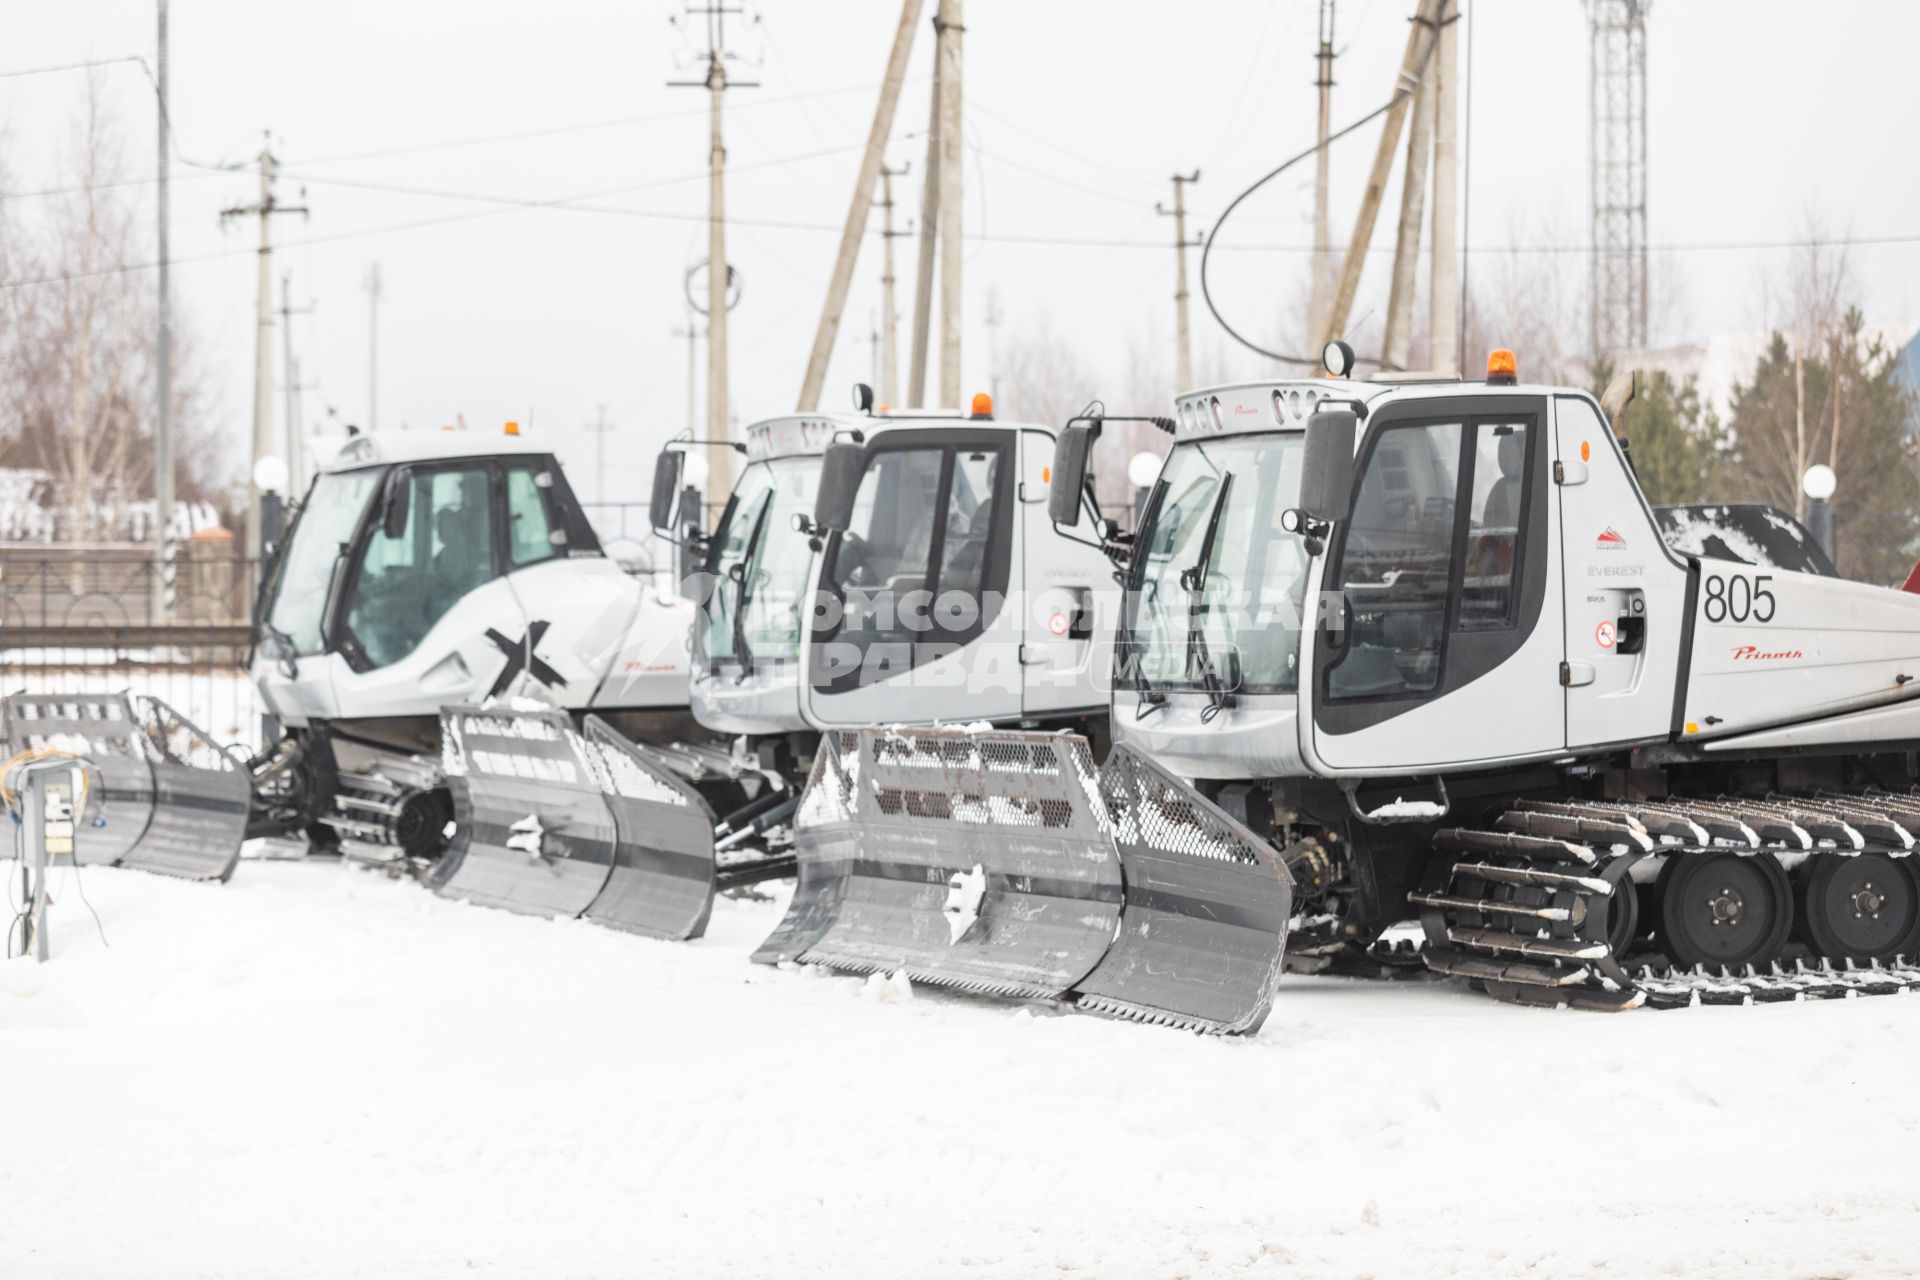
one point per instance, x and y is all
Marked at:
(531, 832)
(554, 821)
(1204, 926)
(1002, 863)
(165, 797)
(662, 882)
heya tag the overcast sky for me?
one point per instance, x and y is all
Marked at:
(1763, 112)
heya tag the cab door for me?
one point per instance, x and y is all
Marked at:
(1067, 656)
(1628, 596)
(912, 619)
(1442, 645)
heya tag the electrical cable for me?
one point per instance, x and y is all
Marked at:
(1407, 89)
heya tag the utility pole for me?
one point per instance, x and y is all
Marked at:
(600, 426)
(994, 319)
(371, 283)
(929, 241)
(692, 334)
(1183, 352)
(948, 25)
(871, 167)
(1407, 82)
(1406, 249)
(719, 456)
(890, 314)
(268, 206)
(1443, 322)
(163, 501)
(1322, 241)
(291, 388)
(1618, 140)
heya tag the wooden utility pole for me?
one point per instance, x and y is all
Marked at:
(871, 165)
(716, 83)
(929, 242)
(1183, 340)
(1444, 317)
(1406, 249)
(263, 332)
(949, 27)
(1322, 239)
(1407, 82)
(890, 313)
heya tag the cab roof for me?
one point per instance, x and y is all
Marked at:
(1286, 404)
(380, 448)
(808, 434)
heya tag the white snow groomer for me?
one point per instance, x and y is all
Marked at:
(159, 795)
(983, 857)
(430, 582)
(1427, 639)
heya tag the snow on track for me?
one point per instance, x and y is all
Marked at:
(317, 1072)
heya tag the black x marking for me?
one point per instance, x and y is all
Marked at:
(521, 657)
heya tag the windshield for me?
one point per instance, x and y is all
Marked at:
(1250, 606)
(757, 534)
(326, 523)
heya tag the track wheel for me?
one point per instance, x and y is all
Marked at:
(1864, 907)
(1723, 909)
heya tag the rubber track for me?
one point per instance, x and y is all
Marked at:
(1577, 966)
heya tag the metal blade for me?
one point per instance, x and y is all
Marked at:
(1204, 921)
(662, 881)
(528, 770)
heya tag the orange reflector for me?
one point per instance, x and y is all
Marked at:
(885, 408)
(1502, 367)
(1046, 475)
(1586, 452)
(513, 428)
(982, 405)
(1692, 727)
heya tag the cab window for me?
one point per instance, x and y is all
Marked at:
(405, 584)
(532, 533)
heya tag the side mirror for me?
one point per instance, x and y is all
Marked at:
(840, 471)
(393, 520)
(666, 489)
(1326, 479)
(1070, 454)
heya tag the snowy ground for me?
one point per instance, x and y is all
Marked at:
(315, 1071)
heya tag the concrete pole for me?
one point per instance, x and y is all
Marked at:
(890, 314)
(1418, 39)
(163, 499)
(693, 375)
(1444, 317)
(948, 23)
(373, 346)
(719, 457)
(929, 240)
(1413, 208)
(290, 375)
(262, 349)
(1183, 334)
(856, 226)
(1322, 241)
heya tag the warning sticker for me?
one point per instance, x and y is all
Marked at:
(1603, 635)
(1057, 624)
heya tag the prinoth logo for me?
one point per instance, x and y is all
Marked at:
(1754, 653)
(1610, 540)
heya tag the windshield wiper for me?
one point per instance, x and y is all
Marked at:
(741, 648)
(1199, 659)
(1133, 652)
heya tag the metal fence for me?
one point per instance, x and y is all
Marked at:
(93, 619)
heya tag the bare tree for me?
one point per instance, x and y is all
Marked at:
(76, 357)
